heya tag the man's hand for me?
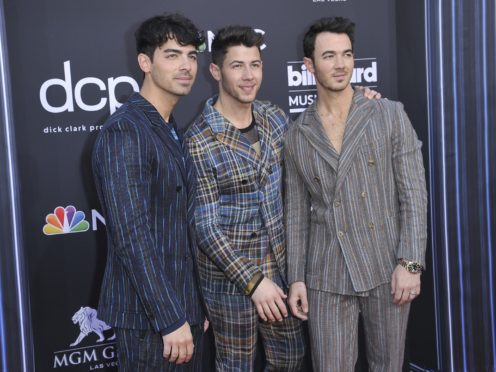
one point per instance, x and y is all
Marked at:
(269, 301)
(369, 93)
(405, 286)
(297, 301)
(178, 345)
(206, 323)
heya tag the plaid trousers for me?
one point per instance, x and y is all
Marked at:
(237, 326)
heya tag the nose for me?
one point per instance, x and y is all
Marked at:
(339, 61)
(186, 63)
(247, 73)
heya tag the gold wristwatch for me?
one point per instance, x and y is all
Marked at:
(411, 266)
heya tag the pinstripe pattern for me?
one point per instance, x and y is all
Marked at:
(145, 183)
(333, 333)
(141, 351)
(240, 232)
(350, 217)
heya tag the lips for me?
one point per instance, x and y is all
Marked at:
(184, 79)
(247, 88)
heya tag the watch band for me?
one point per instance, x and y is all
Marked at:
(411, 266)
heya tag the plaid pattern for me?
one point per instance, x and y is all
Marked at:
(239, 205)
(239, 221)
(236, 327)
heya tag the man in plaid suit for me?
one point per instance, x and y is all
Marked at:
(236, 145)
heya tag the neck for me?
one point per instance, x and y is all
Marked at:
(162, 101)
(239, 114)
(334, 103)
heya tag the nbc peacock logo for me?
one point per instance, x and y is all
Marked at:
(65, 221)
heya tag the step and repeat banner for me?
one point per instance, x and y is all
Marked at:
(72, 64)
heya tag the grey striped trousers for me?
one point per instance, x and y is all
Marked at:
(333, 326)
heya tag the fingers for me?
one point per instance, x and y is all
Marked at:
(261, 312)
(190, 347)
(174, 353)
(167, 350)
(178, 345)
(304, 304)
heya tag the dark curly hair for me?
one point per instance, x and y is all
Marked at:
(233, 36)
(157, 30)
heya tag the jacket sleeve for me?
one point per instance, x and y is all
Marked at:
(212, 240)
(124, 167)
(409, 175)
(297, 215)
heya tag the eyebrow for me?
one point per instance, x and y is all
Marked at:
(333, 51)
(242, 62)
(178, 51)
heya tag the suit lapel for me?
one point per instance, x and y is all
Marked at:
(229, 135)
(356, 124)
(314, 132)
(159, 126)
(266, 150)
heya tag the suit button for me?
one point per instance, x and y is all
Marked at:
(340, 234)
(178, 188)
(337, 203)
(244, 182)
(316, 179)
(186, 258)
(363, 194)
(371, 226)
(270, 170)
(253, 235)
(371, 162)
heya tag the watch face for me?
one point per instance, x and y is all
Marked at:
(413, 267)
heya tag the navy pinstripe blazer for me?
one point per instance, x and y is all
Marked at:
(146, 185)
(349, 217)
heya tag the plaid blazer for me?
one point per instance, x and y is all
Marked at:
(350, 216)
(239, 212)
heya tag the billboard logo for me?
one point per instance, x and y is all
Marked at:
(65, 221)
(302, 86)
(74, 94)
(94, 356)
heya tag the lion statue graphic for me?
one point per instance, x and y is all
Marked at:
(88, 322)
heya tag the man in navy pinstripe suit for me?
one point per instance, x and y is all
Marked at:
(146, 185)
(356, 211)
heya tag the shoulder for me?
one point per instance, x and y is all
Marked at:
(274, 113)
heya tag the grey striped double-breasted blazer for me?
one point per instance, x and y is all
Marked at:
(350, 216)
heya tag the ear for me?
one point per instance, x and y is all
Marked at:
(309, 64)
(215, 71)
(144, 62)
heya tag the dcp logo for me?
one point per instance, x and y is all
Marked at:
(74, 93)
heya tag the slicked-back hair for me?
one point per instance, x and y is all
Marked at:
(156, 31)
(233, 36)
(337, 25)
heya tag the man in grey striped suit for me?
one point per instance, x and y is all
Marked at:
(355, 212)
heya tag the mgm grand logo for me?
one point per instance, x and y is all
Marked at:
(96, 353)
(301, 82)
